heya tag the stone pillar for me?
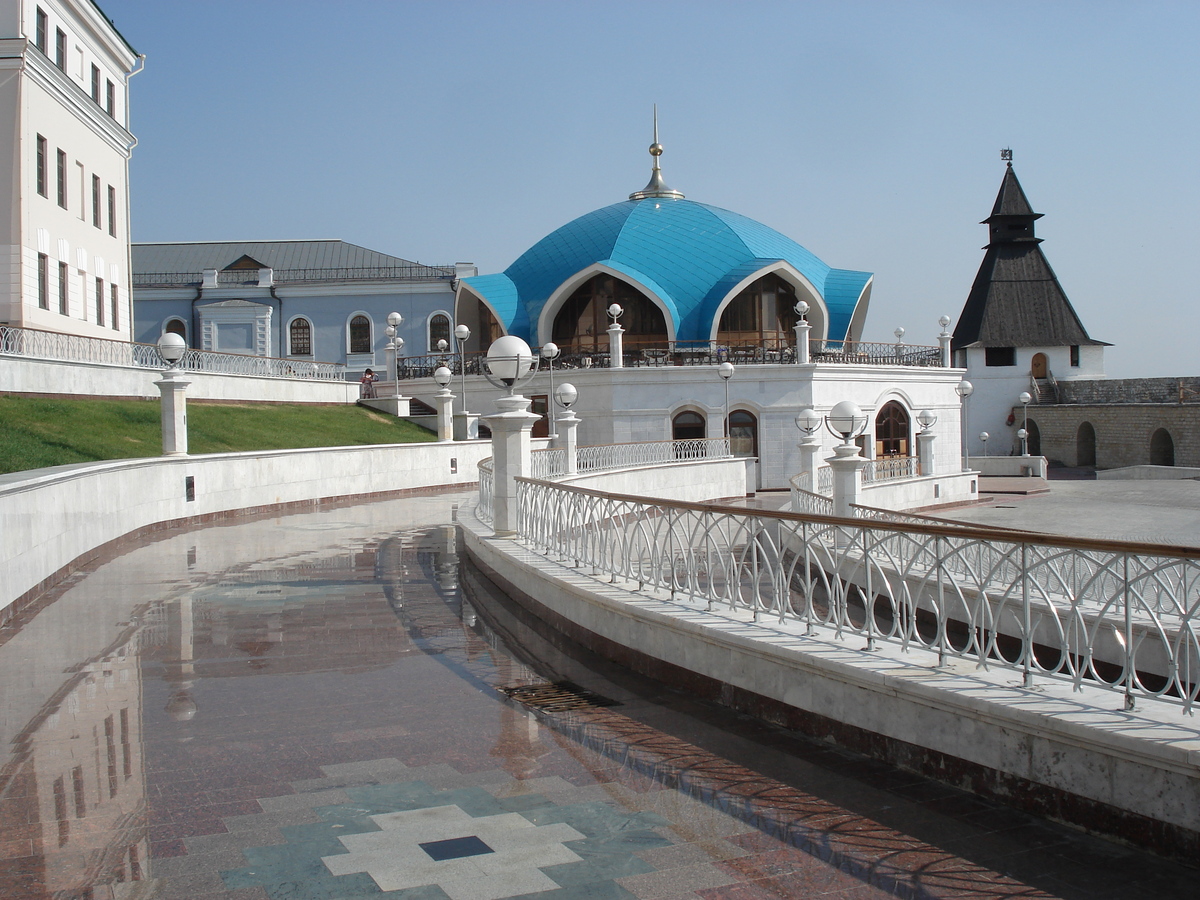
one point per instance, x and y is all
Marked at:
(847, 467)
(809, 448)
(511, 449)
(445, 415)
(925, 453)
(944, 343)
(616, 349)
(174, 413)
(802, 329)
(466, 426)
(567, 423)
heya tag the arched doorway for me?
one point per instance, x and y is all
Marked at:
(1085, 445)
(1162, 448)
(761, 315)
(892, 430)
(1039, 366)
(581, 325)
(743, 433)
(1034, 439)
(688, 425)
(176, 326)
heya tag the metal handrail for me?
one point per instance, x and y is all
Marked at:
(890, 468)
(52, 345)
(1122, 616)
(310, 275)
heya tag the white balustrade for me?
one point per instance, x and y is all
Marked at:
(890, 468)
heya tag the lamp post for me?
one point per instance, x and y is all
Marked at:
(944, 341)
(983, 439)
(802, 328)
(508, 365)
(616, 349)
(964, 390)
(1024, 432)
(809, 423)
(445, 403)
(172, 386)
(899, 333)
(926, 419)
(395, 320)
(725, 370)
(565, 396)
(550, 353)
(462, 334)
(846, 420)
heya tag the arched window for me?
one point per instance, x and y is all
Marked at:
(762, 315)
(300, 337)
(892, 430)
(1162, 448)
(176, 326)
(581, 325)
(1085, 445)
(743, 433)
(688, 425)
(360, 335)
(439, 330)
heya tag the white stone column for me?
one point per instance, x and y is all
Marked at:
(847, 467)
(809, 448)
(925, 453)
(616, 349)
(944, 343)
(511, 449)
(802, 329)
(567, 423)
(445, 414)
(466, 426)
(174, 413)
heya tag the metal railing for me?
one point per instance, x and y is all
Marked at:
(548, 463)
(622, 456)
(486, 489)
(51, 345)
(1117, 616)
(310, 275)
(890, 468)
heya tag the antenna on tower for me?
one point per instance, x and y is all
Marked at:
(1006, 155)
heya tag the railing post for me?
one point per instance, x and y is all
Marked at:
(172, 386)
(616, 352)
(847, 467)
(925, 453)
(568, 422)
(445, 414)
(802, 328)
(511, 452)
(1129, 670)
(1027, 621)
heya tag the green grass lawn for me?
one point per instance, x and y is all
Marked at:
(36, 432)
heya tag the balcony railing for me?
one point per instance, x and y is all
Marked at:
(299, 276)
(51, 345)
(890, 468)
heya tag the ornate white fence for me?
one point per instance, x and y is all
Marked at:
(486, 489)
(1113, 615)
(621, 456)
(51, 345)
(890, 468)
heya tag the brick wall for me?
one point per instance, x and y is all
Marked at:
(1123, 430)
(1130, 390)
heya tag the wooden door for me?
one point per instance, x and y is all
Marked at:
(1039, 365)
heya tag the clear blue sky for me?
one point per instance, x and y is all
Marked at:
(868, 131)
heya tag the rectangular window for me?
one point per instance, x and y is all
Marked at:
(43, 281)
(1000, 356)
(42, 187)
(62, 179)
(99, 301)
(116, 319)
(39, 38)
(60, 48)
(96, 83)
(82, 191)
(112, 210)
(110, 98)
(1075, 355)
(96, 209)
(64, 289)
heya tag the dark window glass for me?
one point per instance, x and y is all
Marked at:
(1000, 356)
(439, 330)
(62, 179)
(43, 281)
(112, 210)
(96, 84)
(60, 811)
(360, 335)
(60, 48)
(116, 306)
(891, 430)
(176, 326)
(99, 301)
(80, 795)
(300, 334)
(762, 315)
(40, 30)
(1075, 355)
(96, 200)
(42, 187)
(688, 426)
(581, 325)
(64, 289)
(743, 433)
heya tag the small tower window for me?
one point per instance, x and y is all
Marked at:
(1000, 356)
(1075, 355)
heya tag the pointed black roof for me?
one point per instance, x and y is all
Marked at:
(1016, 300)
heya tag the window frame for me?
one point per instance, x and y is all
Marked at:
(43, 187)
(96, 207)
(430, 340)
(96, 84)
(116, 305)
(64, 288)
(43, 276)
(62, 177)
(350, 336)
(60, 49)
(112, 210)
(41, 29)
(307, 337)
(999, 357)
(110, 98)
(100, 302)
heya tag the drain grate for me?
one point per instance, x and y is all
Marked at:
(561, 695)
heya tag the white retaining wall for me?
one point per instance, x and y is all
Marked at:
(50, 518)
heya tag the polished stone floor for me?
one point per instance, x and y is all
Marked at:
(313, 706)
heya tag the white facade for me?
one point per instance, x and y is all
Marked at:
(64, 105)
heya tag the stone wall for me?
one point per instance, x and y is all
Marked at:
(1130, 390)
(1123, 430)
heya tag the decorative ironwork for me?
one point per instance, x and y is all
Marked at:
(1118, 616)
(486, 489)
(52, 345)
(890, 468)
(299, 276)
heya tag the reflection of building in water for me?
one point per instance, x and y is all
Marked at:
(77, 779)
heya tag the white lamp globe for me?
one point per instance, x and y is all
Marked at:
(926, 419)
(171, 347)
(846, 418)
(509, 358)
(808, 421)
(550, 350)
(395, 319)
(801, 308)
(566, 395)
(462, 333)
(442, 376)
(725, 370)
(615, 311)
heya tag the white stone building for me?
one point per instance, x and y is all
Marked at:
(64, 105)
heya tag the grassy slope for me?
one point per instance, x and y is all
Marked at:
(36, 432)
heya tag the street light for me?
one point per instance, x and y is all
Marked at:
(983, 438)
(550, 353)
(509, 363)
(1024, 432)
(1023, 436)
(394, 321)
(725, 370)
(964, 389)
(461, 334)
(808, 421)
(846, 420)
(171, 348)
(926, 419)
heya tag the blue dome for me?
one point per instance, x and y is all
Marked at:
(688, 255)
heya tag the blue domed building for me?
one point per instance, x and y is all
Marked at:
(684, 273)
